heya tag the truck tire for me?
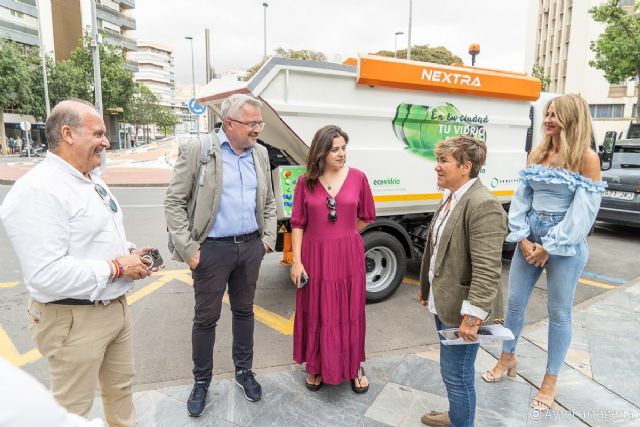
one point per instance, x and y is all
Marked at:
(385, 263)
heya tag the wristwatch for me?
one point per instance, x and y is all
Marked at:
(471, 320)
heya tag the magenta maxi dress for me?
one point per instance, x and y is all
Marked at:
(329, 326)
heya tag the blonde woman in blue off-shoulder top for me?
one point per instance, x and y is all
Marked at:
(551, 214)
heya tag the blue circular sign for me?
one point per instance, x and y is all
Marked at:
(195, 108)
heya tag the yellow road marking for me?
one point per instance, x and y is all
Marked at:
(9, 351)
(596, 284)
(270, 319)
(151, 287)
(8, 284)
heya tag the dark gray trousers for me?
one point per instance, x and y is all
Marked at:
(237, 264)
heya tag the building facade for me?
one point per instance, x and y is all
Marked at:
(560, 33)
(156, 70)
(19, 21)
(65, 21)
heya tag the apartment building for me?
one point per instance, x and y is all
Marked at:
(156, 70)
(559, 35)
(65, 21)
(19, 21)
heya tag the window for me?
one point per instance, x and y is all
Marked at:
(626, 3)
(606, 111)
(634, 110)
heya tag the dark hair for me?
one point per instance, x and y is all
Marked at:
(464, 149)
(320, 147)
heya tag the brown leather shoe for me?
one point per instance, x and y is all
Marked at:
(436, 419)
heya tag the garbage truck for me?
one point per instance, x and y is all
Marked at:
(395, 112)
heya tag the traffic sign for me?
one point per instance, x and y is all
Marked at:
(195, 108)
(25, 126)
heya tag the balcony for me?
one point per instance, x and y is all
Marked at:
(28, 7)
(617, 91)
(19, 33)
(131, 4)
(130, 65)
(115, 17)
(120, 40)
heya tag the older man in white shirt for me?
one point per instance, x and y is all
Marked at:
(67, 230)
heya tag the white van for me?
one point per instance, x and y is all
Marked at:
(395, 112)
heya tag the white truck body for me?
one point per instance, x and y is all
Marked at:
(300, 97)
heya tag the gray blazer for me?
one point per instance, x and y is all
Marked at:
(186, 238)
(469, 259)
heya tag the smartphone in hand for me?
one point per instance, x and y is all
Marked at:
(303, 281)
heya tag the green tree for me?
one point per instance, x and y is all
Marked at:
(617, 49)
(304, 54)
(538, 72)
(165, 118)
(74, 77)
(424, 53)
(21, 83)
(142, 111)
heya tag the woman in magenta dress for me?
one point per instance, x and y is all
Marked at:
(332, 203)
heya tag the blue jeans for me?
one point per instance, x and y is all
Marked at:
(563, 273)
(458, 372)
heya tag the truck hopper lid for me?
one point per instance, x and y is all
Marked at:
(275, 133)
(376, 70)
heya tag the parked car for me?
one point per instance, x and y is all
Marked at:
(621, 200)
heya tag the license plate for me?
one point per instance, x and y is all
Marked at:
(620, 195)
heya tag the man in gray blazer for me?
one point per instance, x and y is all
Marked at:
(233, 225)
(461, 269)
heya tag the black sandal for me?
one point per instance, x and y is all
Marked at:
(356, 389)
(314, 386)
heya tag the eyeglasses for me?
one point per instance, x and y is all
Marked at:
(252, 125)
(106, 198)
(331, 204)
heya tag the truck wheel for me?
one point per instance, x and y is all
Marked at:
(385, 263)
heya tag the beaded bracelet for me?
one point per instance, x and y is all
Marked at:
(118, 268)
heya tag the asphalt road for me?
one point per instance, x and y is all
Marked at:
(163, 308)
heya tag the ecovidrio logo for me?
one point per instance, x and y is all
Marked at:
(386, 182)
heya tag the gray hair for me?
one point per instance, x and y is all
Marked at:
(63, 114)
(232, 105)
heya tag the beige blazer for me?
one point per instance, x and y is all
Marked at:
(469, 260)
(187, 239)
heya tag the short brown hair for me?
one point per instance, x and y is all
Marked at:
(464, 149)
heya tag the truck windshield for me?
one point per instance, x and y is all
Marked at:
(626, 157)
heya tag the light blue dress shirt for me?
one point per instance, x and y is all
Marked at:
(237, 213)
(555, 190)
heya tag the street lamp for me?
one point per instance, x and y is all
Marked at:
(265, 5)
(193, 82)
(395, 44)
(409, 33)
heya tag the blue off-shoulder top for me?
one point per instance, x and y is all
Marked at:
(555, 190)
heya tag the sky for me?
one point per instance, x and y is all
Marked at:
(339, 28)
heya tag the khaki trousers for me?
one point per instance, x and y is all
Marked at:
(85, 345)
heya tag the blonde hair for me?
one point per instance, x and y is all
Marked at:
(572, 116)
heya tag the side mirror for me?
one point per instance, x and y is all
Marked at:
(608, 147)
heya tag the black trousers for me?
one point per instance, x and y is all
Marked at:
(237, 264)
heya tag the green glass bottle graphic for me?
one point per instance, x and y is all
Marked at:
(421, 127)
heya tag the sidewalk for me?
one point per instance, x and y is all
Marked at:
(144, 166)
(599, 384)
